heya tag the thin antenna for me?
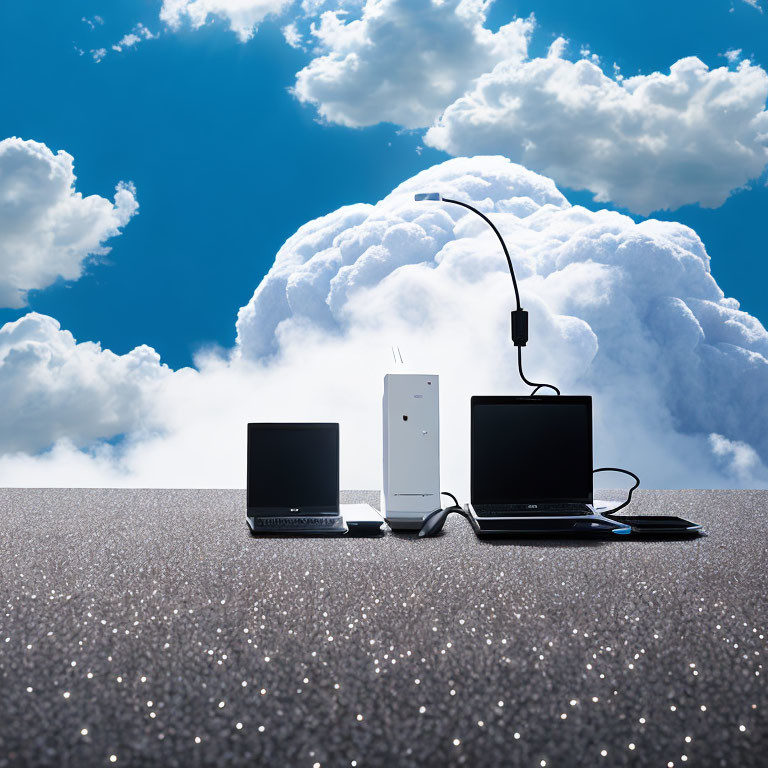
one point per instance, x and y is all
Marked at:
(401, 354)
(393, 354)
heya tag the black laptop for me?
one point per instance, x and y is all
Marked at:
(531, 467)
(293, 479)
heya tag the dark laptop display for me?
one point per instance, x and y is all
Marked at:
(530, 450)
(293, 469)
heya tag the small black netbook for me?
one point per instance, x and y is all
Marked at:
(293, 479)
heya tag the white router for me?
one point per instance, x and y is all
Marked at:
(411, 488)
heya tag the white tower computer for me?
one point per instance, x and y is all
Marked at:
(411, 449)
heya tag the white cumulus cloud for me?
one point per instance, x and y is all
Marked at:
(755, 4)
(53, 388)
(739, 458)
(403, 61)
(650, 142)
(243, 15)
(130, 39)
(48, 230)
(629, 313)
(292, 35)
(646, 143)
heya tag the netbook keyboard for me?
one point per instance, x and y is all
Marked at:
(530, 510)
(297, 523)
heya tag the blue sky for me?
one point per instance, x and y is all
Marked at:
(227, 163)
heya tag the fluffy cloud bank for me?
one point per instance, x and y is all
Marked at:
(646, 142)
(243, 15)
(650, 142)
(48, 230)
(54, 388)
(403, 61)
(627, 312)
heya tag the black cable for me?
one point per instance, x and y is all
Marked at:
(531, 383)
(457, 508)
(629, 493)
(455, 500)
(501, 240)
(519, 316)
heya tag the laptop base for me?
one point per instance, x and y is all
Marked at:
(544, 525)
(298, 525)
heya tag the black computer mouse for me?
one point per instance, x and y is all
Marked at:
(434, 523)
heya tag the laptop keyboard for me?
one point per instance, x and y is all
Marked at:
(297, 523)
(530, 510)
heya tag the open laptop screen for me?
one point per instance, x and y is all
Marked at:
(531, 449)
(293, 469)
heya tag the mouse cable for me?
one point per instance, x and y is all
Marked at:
(450, 495)
(519, 315)
(433, 523)
(629, 492)
(456, 506)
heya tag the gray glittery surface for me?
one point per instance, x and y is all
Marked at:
(147, 627)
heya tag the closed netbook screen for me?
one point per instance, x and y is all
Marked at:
(293, 468)
(531, 449)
